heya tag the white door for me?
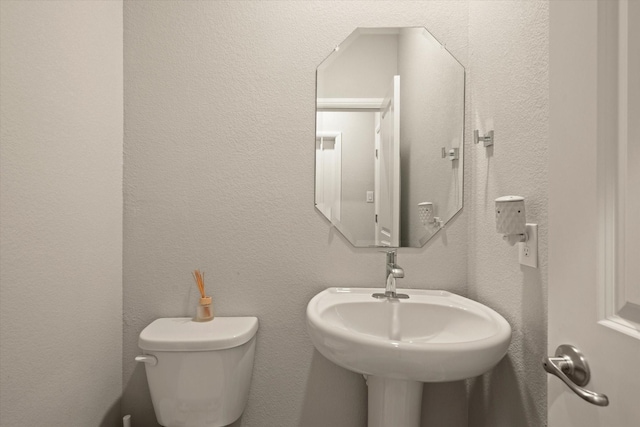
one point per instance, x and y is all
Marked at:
(387, 169)
(594, 285)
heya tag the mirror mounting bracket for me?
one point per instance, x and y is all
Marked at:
(486, 139)
(452, 154)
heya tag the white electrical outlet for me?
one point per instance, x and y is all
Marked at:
(369, 196)
(528, 251)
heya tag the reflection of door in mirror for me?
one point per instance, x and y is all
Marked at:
(328, 173)
(387, 169)
(356, 126)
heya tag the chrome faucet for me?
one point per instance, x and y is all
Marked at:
(393, 272)
(392, 268)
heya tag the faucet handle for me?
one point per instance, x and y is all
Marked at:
(391, 255)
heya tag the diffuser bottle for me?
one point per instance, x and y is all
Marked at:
(204, 311)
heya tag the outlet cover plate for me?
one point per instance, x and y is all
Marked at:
(528, 251)
(369, 196)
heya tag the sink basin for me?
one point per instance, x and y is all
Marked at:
(433, 336)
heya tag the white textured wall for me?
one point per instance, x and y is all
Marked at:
(219, 175)
(61, 213)
(508, 84)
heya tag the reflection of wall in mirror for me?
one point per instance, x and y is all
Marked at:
(364, 73)
(357, 129)
(432, 118)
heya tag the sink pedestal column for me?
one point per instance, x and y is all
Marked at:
(394, 403)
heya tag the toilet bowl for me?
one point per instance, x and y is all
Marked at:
(199, 373)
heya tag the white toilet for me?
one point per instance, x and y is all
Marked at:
(199, 373)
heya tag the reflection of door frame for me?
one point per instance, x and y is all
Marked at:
(376, 105)
(334, 207)
(387, 169)
(349, 104)
(376, 178)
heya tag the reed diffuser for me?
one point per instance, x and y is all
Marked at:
(204, 311)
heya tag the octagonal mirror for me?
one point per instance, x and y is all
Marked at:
(389, 137)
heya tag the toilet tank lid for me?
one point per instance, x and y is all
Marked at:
(185, 334)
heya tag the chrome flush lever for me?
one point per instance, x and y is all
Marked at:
(149, 359)
(571, 367)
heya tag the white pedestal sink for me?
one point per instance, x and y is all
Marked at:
(434, 336)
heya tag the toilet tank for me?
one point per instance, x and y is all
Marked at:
(203, 370)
